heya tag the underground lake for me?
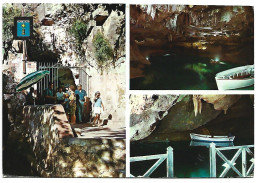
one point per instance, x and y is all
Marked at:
(181, 72)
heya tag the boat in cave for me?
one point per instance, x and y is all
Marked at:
(209, 138)
(238, 77)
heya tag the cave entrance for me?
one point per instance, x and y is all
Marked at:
(61, 76)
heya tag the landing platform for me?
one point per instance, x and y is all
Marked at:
(109, 131)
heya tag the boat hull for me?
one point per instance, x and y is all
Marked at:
(229, 84)
(207, 144)
(225, 83)
(208, 138)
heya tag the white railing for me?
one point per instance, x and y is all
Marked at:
(230, 164)
(161, 158)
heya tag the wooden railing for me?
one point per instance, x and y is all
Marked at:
(230, 164)
(161, 158)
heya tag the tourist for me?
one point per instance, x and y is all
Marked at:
(49, 94)
(72, 104)
(81, 105)
(30, 98)
(66, 104)
(66, 100)
(22, 97)
(97, 108)
(60, 96)
(77, 106)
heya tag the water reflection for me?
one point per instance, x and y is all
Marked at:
(207, 144)
(182, 72)
(191, 158)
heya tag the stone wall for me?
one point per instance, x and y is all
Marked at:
(47, 139)
(112, 85)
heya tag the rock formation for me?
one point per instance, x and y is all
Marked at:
(146, 111)
(173, 117)
(209, 31)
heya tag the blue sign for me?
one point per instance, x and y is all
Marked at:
(23, 28)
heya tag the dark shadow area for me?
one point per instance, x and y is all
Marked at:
(15, 162)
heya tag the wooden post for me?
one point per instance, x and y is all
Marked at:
(244, 162)
(57, 76)
(170, 162)
(212, 155)
(24, 47)
(24, 56)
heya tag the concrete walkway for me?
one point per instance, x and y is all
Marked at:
(110, 131)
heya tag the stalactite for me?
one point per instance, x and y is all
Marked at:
(197, 104)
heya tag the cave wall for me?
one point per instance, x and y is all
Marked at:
(205, 114)
(146, 111)
(238, 120)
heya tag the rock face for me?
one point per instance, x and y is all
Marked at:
(9, 83)
(111, 85)
(239, 119)
(146, 111)
(173, 117)
(221, 102)
(207, 31)
(181, 117)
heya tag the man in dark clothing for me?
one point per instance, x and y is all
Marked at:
(30, 97)
(82, 102)
(49, 94)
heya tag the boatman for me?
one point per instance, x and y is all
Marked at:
(82, 102)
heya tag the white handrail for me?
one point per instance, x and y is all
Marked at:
(161, 157)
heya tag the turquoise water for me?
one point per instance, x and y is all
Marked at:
(180, 72)
(189, 161)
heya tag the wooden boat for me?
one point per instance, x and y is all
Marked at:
(209, 138)
(238, 77)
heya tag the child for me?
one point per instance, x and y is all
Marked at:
(72, 104)
(97, 108)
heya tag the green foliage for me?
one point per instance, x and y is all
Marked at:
(103, 50)
(79, 30)
(9, 12)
